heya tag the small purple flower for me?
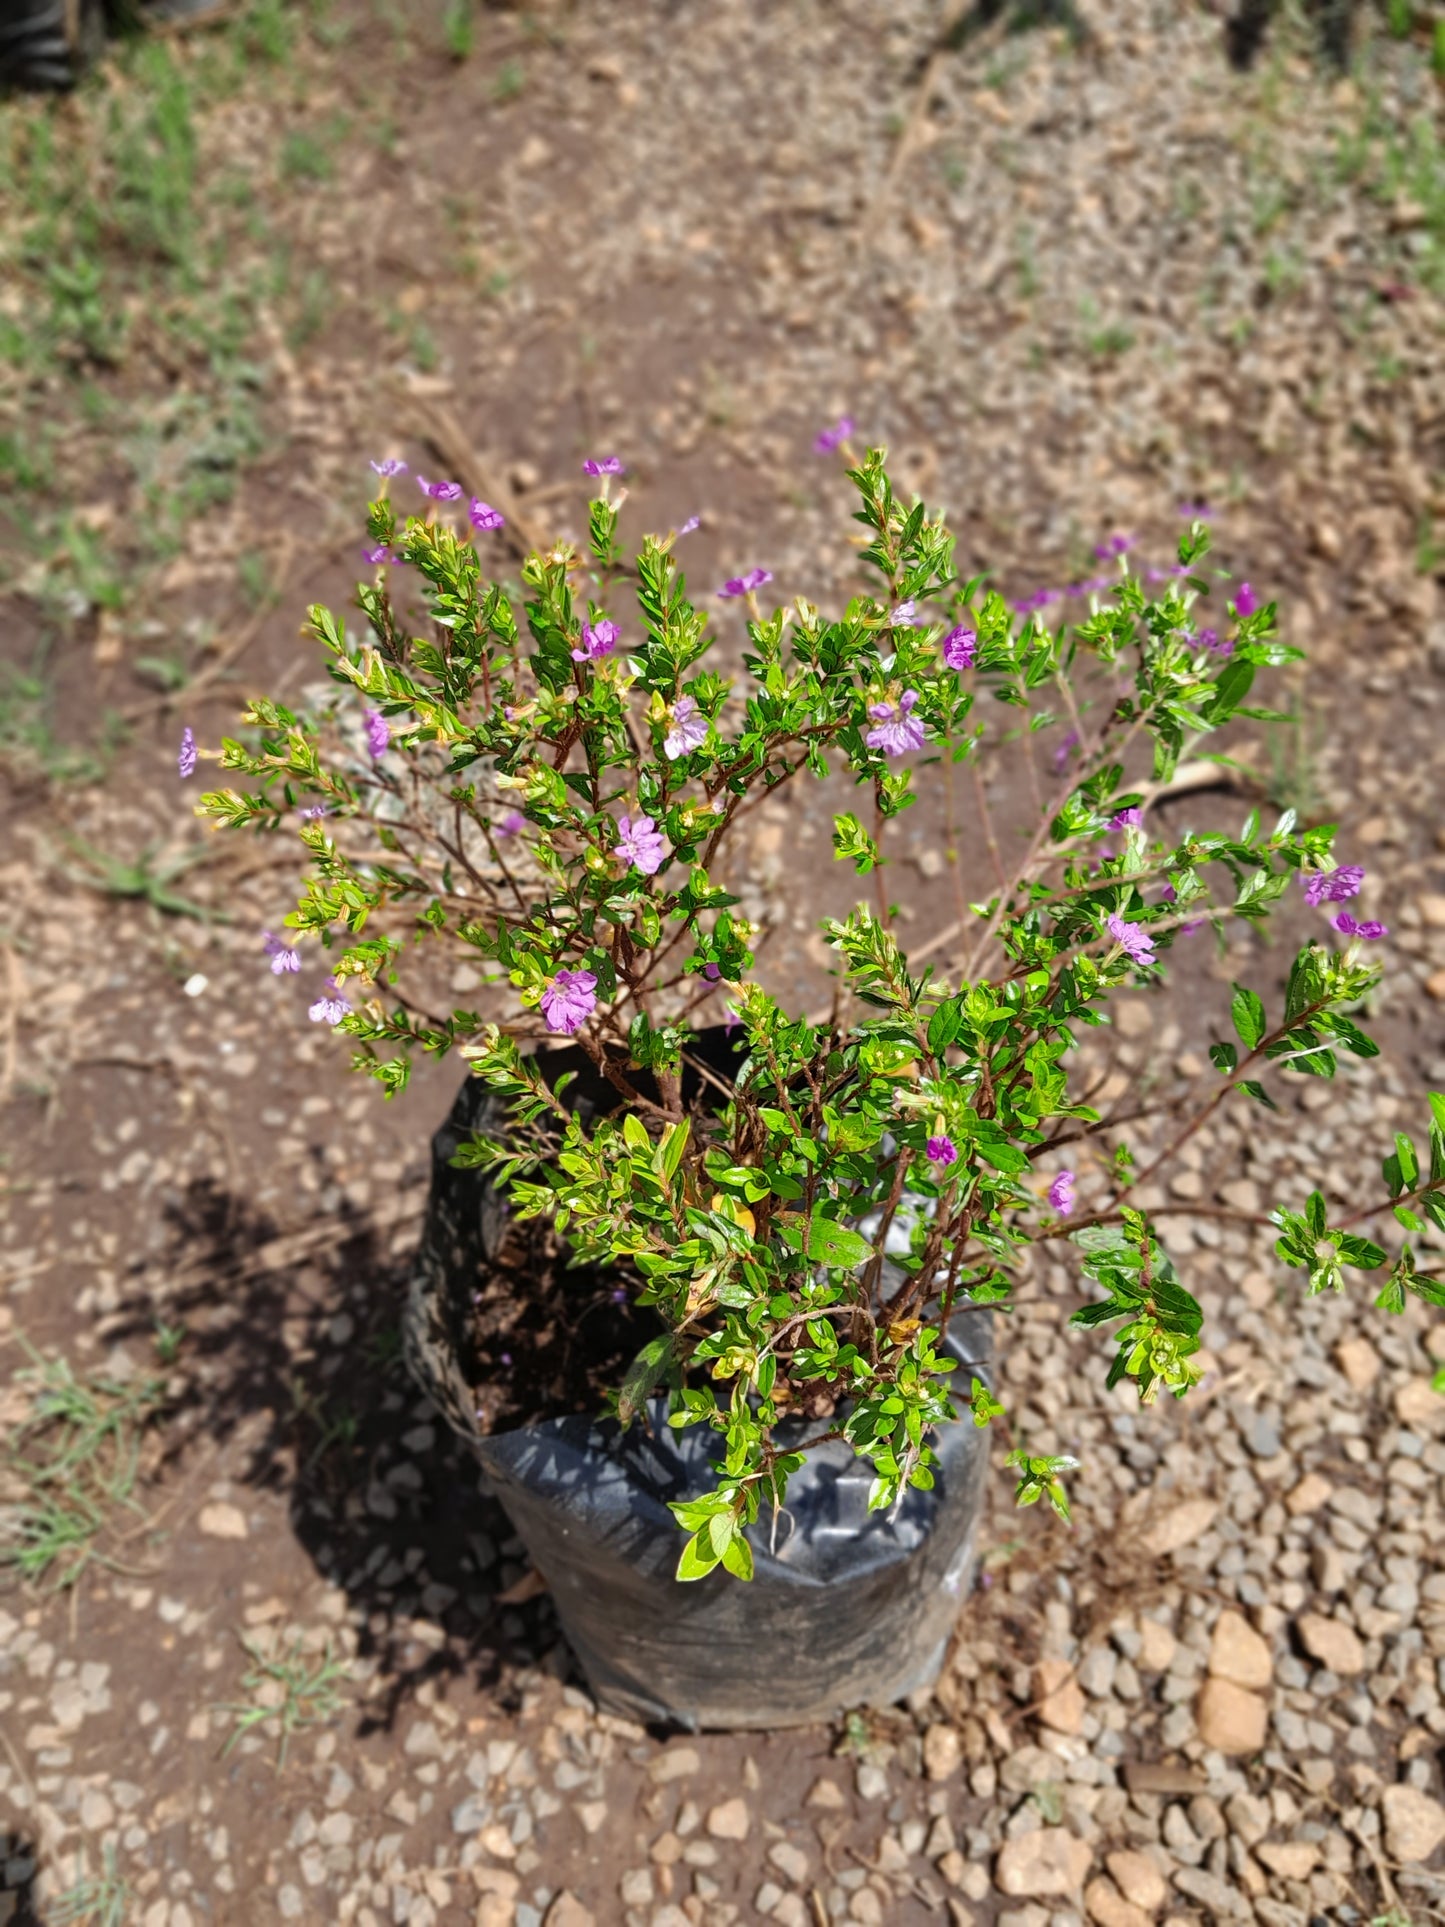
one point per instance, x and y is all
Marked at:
(906, 616)
(330, 1007)
(1061, 1193)
(440, 491)
(942, 1150)
(1209, 639)
(897, 729)
(186, 756)
(711, 972)
(377, 556)
(1169, 893)
(391, 466)
(731, 1021)
(484, 516)
(378, 734)
(314, 812)
(1245, 601)
(833, 439)
(569, 1000)
(1131, 940)
(1132, 819)
(1196, 511)
(598, 639)
(510, 823)
(737, 585)
(688, 731)
(1116, 545)
(1333, 886)
(607, 465)
(1370, 931)
(692, 522)
(285, 957)
(960, 647)
(1040, 599)
(1064, 751)
(640, 842)
(618, 1295)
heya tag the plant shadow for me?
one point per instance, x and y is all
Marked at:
(18, 1863)
(292, 1360)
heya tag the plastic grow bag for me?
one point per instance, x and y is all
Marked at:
(47, 43)
(845, 1609)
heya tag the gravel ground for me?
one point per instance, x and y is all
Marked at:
(1070, 286)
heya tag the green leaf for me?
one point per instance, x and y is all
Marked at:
(672, 1146)
(1408, 1161)
(738, 1557)
(1224, 1057)
(1359, 1252)
(1256, 1090)
(698, 1558)
(831, 1243)
(643, 1376)
(1247, 1010)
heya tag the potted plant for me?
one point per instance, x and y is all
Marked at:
(801, 1224)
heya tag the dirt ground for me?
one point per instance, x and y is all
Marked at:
(267, 1652)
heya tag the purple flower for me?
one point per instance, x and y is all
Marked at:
(692, 522)
(906, 616)
(832, 439)
(598, 639)
(942, 1150)
(391, 466)
(1131, 940)
(378, 734)
(315, 811)
(688, 731)
(1245, 601)
(1209, 639)
(1169, 893)
(897, 731)
(960, 647)
(1371, 932)
(1196, 511)
(285, 957)
(1065, 750)
(711, 972)
(1040, 599)
(745, 584)
(1333, 886)
(376, 556)
(569, 1000)
(439, 491)
(1132, 819)
(484, 516)
(1061, 1193)
(1116, 545)
(330, 1007)
(608, 465)
(511, 823)
(186, 756)
(640, 842)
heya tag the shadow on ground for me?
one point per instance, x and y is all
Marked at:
(297, 1373)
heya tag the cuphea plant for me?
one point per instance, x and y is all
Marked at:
(550, 791)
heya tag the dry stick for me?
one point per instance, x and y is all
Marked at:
(213, 669)
(913, 126)
(449, 439)
(12, 1020)
(986, 814)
